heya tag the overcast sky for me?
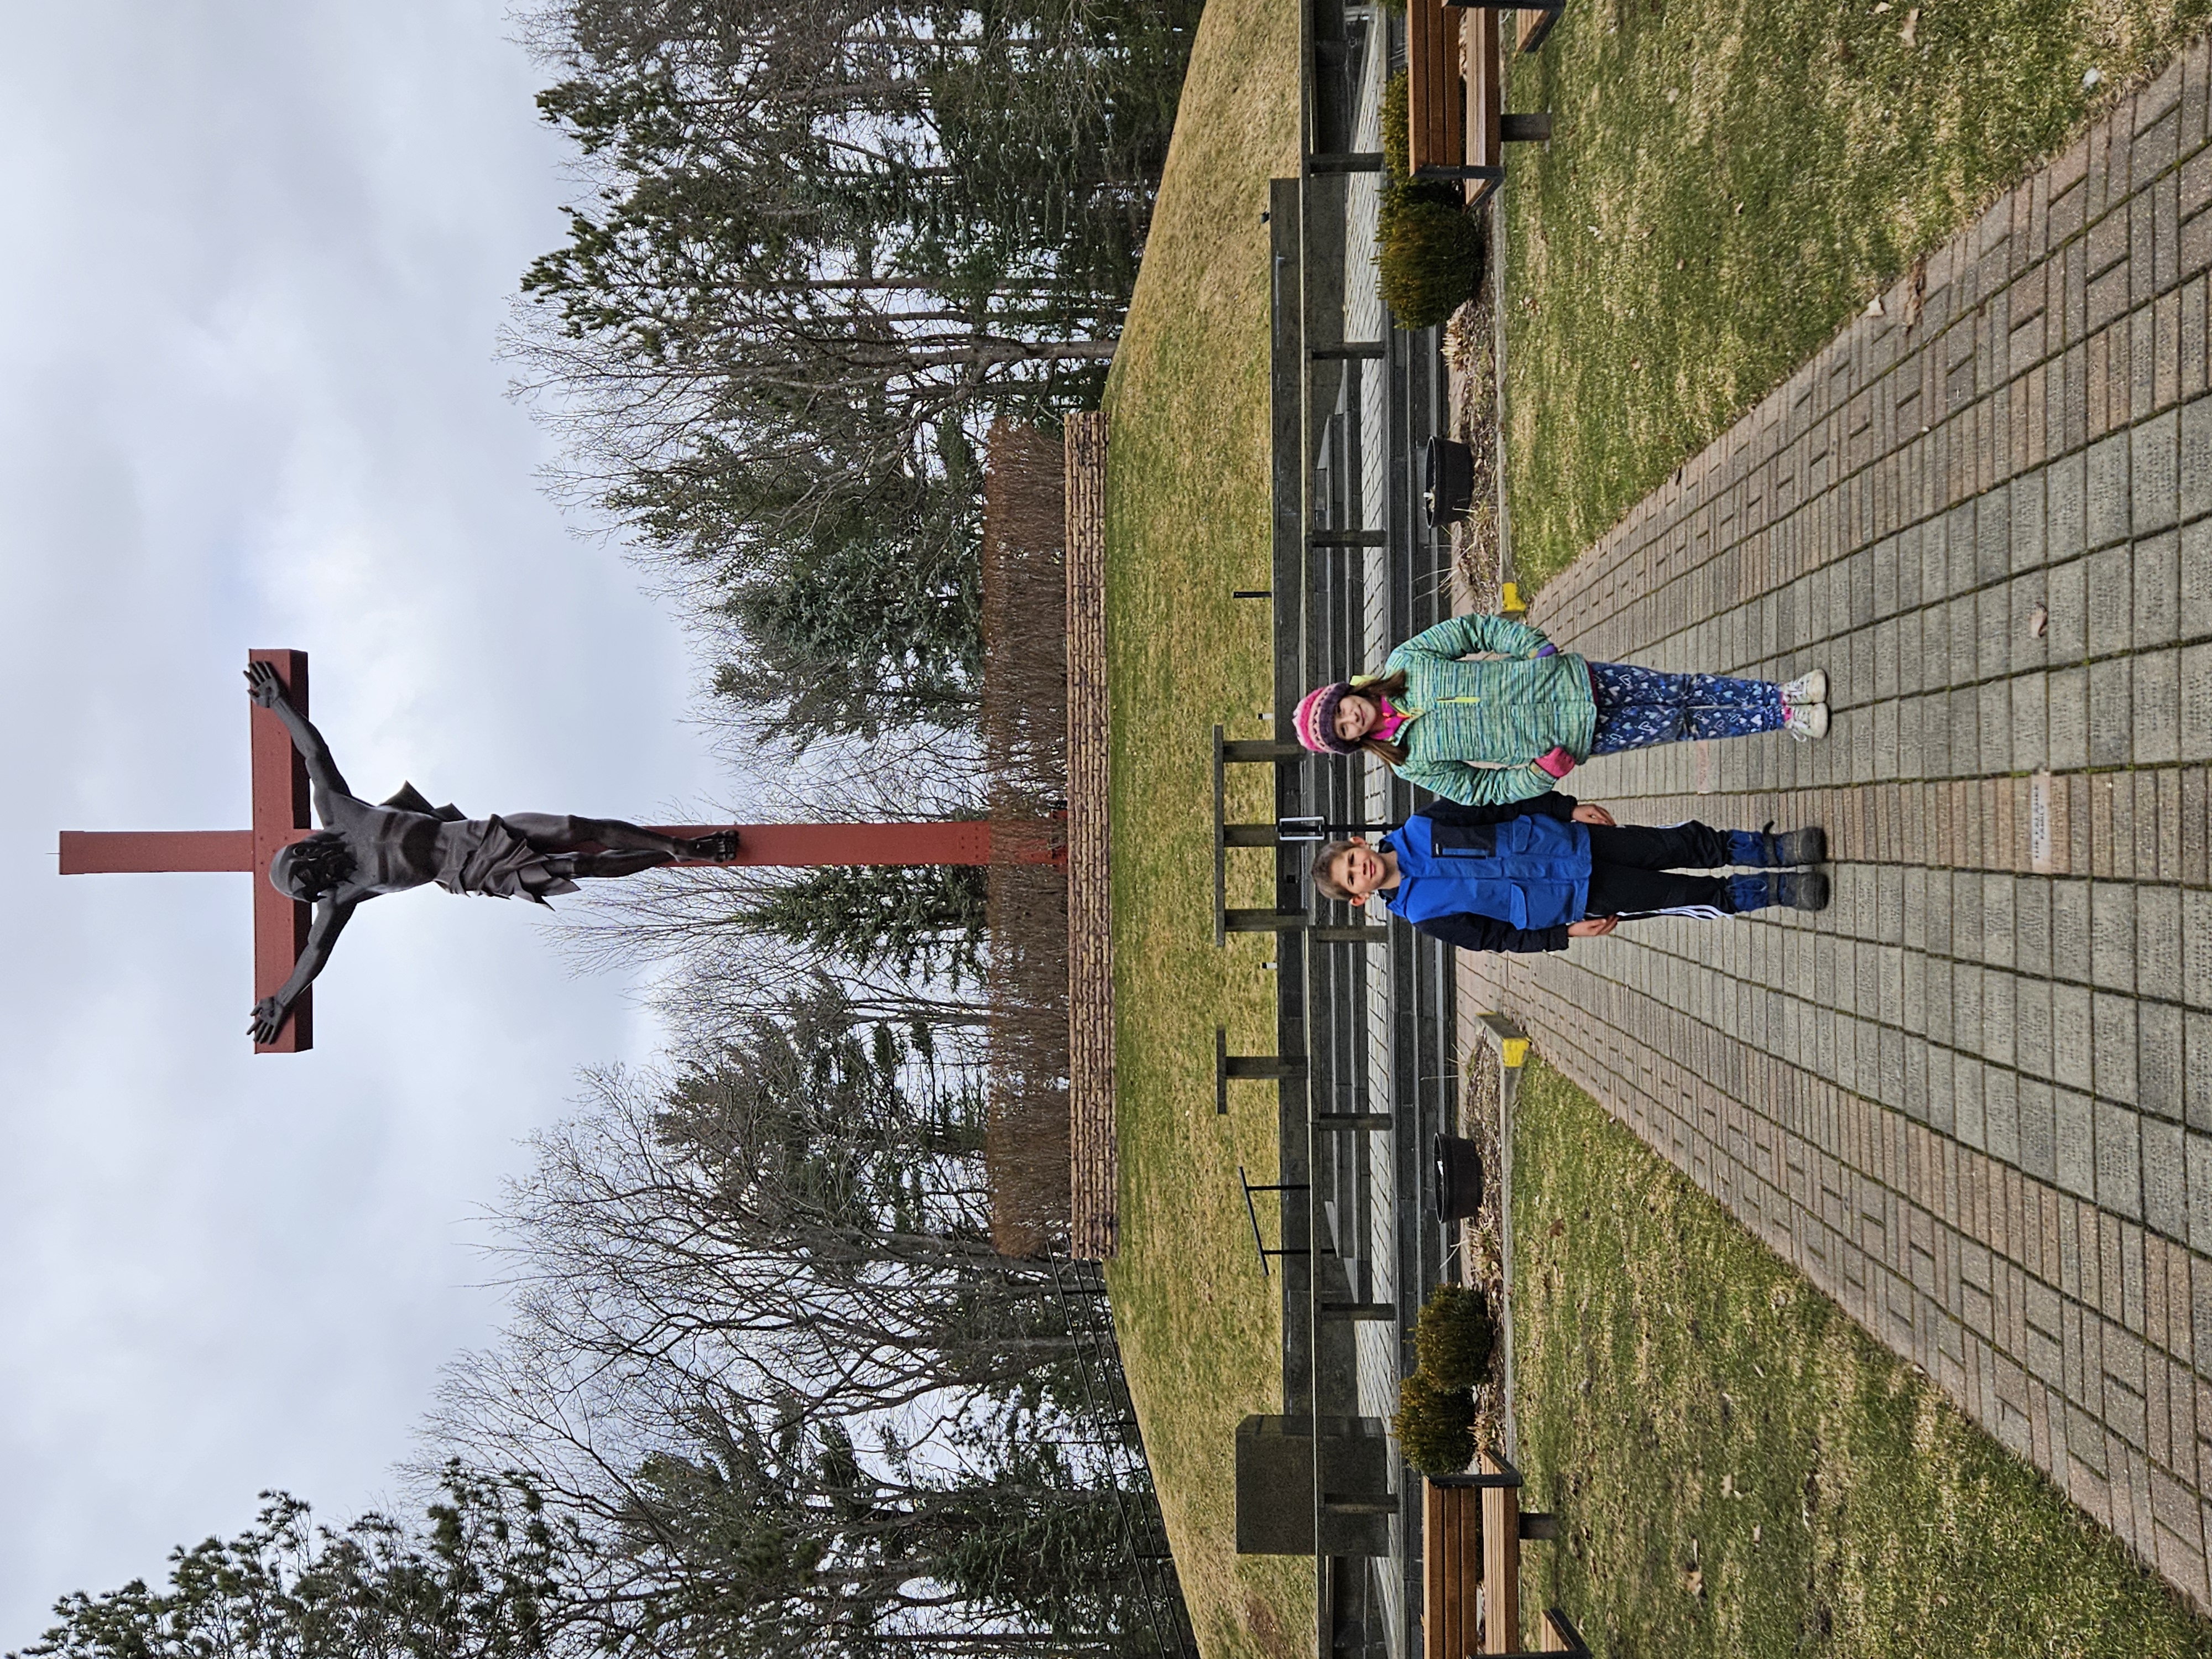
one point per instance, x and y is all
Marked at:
(258, 255)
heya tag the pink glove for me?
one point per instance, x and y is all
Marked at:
(1558, 762)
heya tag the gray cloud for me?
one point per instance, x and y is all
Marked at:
(258, 257)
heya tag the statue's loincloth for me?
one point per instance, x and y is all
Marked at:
(485, 856)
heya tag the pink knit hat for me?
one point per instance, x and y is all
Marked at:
(1314, 721)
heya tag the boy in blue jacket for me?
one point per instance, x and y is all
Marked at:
(1532, 874)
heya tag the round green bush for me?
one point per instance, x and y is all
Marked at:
(1429, 253)
(1435, 1426)
(1453, 1337)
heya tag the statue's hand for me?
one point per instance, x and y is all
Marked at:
(263, 685)
(268, 1015)
(718, 848)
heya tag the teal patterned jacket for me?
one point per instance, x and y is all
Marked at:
(1478, 726)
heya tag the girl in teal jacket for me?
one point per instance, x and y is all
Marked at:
(1507, 726)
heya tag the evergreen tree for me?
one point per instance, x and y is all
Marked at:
(917, 919)
(486, 1579)
(827, 246)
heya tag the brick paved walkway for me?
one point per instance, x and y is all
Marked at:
(1966, 1100)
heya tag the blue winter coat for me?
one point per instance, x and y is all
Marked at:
(1508, 878)
(1531, 870)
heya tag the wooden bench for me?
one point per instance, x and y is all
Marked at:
(1535, 23)
(1472, 1529)
(1455, 124)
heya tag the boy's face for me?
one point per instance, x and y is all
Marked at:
(1359, 870)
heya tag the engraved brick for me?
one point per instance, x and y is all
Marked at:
(2197, 947)
(2112, 710)
(2031, 1029)
(2158, 942)
(2194, 804)
(2113, 934)
(2109, 600)
(2156, 584)
(2067, 627)
(2193, 691)
(2068, 715)
(2197, 1161)
(2156, 485)
(2106, 495)
(2114, 1038)
(2075, 1143)
(2070, 929)
(2157, 736)
(2039, 1133)
(2070, 1054)
(2193, 459)
(2191, 351)
(2030, 907)
(2166, 1206)
(2066, 492)
(2169, 824)
(2000, 1113)
(2159, 1060)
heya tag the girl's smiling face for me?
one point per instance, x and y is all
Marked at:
(1355, 717)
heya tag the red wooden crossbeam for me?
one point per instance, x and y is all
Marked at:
(282, 816)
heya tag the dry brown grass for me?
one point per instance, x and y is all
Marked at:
(1188, 522)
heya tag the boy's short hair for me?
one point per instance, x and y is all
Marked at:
(1324, 883)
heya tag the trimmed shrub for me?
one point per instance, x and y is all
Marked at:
(1397, 102)
(1435, 1426)
(1453, 1337)
(1428, 252)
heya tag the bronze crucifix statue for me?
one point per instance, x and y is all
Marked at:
(363, 851)
(316, 878)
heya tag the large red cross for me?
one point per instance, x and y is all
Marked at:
(282, 816)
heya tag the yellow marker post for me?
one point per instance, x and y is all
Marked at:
(1508, 1039)
(1509, 602)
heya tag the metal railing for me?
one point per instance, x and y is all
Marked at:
(1080, 1290)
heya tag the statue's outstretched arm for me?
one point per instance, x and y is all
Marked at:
(266, 689)
(323, 933)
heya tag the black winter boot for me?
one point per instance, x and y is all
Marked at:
(1765, 850)
(1794, 889)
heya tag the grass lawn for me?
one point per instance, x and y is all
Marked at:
(1728, 182)
(1188, 522)
(1739, 1468)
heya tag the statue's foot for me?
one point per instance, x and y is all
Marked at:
(720, 847)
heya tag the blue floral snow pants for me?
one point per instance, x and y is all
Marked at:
(1639, 707)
